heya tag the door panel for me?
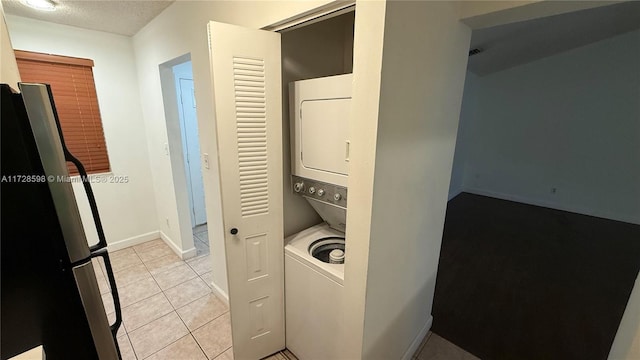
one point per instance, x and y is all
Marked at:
(245, 66)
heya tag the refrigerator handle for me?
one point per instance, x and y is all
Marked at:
(114, 290)
(102, 241)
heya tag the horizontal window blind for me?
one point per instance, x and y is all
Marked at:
(74, 93)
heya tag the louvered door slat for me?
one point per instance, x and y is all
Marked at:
(252, 137)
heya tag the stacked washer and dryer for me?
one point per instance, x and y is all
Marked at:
(314, 258)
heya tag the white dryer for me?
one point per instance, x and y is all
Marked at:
(320, 111)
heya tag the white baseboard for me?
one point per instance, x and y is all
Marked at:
(189, 253)
(415, 344)
(134, 240)
(183, 254)
(537, 202)
(220, 294)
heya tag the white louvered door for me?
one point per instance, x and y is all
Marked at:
(246, 73)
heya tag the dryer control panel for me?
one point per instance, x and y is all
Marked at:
(320, 191)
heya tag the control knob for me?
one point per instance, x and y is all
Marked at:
(312, 190)
(337, 197)
(320, 192)
(299, 186)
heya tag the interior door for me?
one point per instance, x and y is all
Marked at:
(246, 75)
(194, 170)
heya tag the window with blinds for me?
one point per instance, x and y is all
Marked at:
(74, 94)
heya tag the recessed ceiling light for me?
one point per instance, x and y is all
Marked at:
(46, 5)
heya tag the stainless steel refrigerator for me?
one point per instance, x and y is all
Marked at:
(49, 292)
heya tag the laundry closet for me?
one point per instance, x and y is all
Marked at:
(317, 61)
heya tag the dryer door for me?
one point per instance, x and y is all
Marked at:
(324, 134)
(320, 114)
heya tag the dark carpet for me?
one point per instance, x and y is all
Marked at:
(517, 281)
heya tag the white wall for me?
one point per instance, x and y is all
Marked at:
(8, 67)
(363, 128)
(127, 211)
(569, 122)
(626, 345)
(466, 113)
(179, 30)
(420, 97)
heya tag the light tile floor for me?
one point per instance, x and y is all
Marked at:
(434, 347)
(169, 311)
(201, 239)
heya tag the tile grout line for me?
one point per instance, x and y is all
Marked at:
(205, 324)
(130, 345)
(223, 351)
(158, 285)
(190, 332)
(170, 304)
(126, 334)
(154, 280)
(185, 325)
(197, 276)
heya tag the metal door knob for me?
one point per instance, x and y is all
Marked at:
(233, 231)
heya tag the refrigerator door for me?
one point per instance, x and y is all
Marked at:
(40, 295)
(45, 131)
(42, 115)
(94, 309)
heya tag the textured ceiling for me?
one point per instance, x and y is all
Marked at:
(503, 46)
(119, 17)
(514, 44)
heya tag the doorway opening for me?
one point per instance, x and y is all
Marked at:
(183, 149)
(185, 97)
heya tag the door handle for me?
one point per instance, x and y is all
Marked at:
(347, 150)
(233, 231)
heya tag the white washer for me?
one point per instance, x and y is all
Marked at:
(314, 297)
